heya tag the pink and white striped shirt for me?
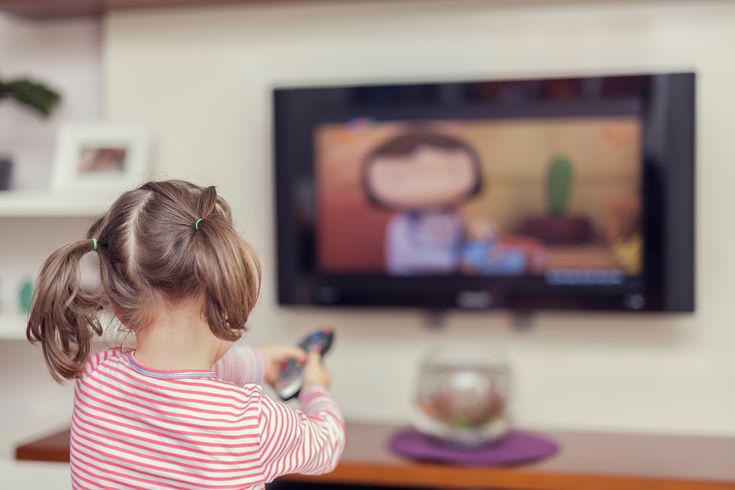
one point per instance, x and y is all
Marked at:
(136, 427)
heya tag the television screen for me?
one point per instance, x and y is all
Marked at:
(484, 194)
(555, 198)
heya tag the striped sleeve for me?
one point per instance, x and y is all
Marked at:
(241, 365)
(308, 441)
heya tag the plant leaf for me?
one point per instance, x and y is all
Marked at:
(35, 95)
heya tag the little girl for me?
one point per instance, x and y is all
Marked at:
(185, 409)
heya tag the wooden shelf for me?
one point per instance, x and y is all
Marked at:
(586, 461)
(13, 326)
(50, 9)
(26, 204)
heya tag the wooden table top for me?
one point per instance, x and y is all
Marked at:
(587, 460)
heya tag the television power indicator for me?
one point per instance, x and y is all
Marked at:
(474, 300)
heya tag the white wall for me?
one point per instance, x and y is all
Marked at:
(201, 80)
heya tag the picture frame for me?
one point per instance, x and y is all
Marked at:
(100, 157)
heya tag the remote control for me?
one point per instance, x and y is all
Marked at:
(288, 383)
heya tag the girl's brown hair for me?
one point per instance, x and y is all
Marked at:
(151, 248)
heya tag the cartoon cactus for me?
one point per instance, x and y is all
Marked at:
(560, 177)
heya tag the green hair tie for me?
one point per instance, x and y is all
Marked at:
(196, 224)
(94, 244)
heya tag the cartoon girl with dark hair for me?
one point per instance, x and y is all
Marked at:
(424, 177)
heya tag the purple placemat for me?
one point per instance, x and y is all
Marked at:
(516, 447)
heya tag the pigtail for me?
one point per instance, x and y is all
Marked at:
(63, 316)
(226, 266)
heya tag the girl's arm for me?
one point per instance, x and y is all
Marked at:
(241, 365)
(308, 441)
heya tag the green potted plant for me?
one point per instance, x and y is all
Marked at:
(31, 94)
(558, 226)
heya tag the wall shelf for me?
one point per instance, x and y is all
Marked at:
(49, 9)
(13, 327)
(26, 204)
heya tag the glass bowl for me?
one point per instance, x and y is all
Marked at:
(463, 397)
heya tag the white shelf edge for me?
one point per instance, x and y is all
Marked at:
(13, 327)
(38, 204)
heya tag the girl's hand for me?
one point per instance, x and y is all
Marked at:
(315, 373)
(275, 355)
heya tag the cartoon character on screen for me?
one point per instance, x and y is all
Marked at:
(424, 177)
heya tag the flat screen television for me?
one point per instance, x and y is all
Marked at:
(559, 193)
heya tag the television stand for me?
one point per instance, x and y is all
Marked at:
(587, 460)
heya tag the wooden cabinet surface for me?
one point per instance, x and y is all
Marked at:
(587, 460)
